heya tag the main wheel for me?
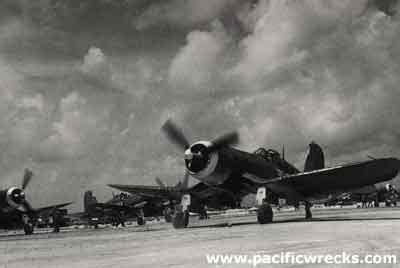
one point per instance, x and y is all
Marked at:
(141, 221)
(180, 219)
(28, 228)
(265, 214)
(167, 215)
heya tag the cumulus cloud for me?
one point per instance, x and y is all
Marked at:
(96, 66)
(199, 61)
(281, 72)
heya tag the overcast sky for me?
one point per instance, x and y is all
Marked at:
(86, 85)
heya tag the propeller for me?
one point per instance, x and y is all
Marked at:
(28, 175)
(181, 185)
(175, 135)
(231, 138)
(197, 155)
(160, 183)
(27, 178)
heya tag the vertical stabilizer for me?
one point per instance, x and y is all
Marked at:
(315, 158)
(88, 200)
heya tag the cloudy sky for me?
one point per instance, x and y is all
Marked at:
(86, 85)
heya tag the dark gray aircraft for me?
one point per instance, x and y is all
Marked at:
(116, 210)
(202, 196)
(162, 196)
(15, 210)
(217, 165)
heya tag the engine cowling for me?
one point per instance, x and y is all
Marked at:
(15, 197)
(204, 165)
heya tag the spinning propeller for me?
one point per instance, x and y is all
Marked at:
(197, 155)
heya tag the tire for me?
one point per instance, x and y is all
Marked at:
(168, 218)
(141, 221)
(265, 214)
(28, 228)
(167, 215)
(180, 220)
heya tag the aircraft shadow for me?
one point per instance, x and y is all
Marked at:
(328, 219)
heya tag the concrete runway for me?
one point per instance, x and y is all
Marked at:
(332, 231)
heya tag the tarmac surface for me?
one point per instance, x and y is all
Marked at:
(332, 231)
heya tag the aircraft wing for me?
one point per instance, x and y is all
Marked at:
(48, 209)
(119, 207)
(203, 191)
(338, 178)
(142, 190)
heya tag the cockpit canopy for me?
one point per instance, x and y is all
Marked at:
(268, 155)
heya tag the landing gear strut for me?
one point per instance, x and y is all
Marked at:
(308, 206)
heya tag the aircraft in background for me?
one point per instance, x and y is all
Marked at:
(16, 212)
(217, 165)
(116, 210)
(166, 196)
(368, 196)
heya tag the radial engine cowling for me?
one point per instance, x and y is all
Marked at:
(15, 197)
(205, 165)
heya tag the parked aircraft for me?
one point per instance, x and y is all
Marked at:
(116, 210)
(217, 165)
(16, 212)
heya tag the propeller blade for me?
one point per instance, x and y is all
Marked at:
(28, 208)
(175, 134)
(27, 178)
(185, 181)
(227, 139)
(160, 183)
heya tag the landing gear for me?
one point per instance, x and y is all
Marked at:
(167, 214)
(265, 213)
(203, 213)
(141, 221)
(308, 206)
(181, 218)
(140, 218)
(28, 228)
(181, 215)
(28, 225)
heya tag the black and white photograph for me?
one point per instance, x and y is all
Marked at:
(199, 133)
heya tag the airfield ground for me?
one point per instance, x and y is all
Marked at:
(332, 231)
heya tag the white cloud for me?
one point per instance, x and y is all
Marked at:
(96, 65)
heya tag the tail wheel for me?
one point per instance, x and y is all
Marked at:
(265, 214)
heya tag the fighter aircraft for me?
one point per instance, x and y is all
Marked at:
(216, 164)
(167, 196)
(371, 195)
(15, 210)
(116, 210)
(160, 197)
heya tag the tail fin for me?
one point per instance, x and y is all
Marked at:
(315, 158)
(88, 200)
(160, 182)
